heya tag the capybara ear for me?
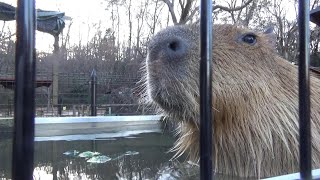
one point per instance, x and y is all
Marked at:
(269, 30)
(272, 38)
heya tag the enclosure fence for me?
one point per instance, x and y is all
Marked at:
(115, 95)
(25, 81)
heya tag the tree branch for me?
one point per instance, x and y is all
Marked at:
(171, 10)
(231, 9)
(185, 12)
(181, 4)
(218, 7)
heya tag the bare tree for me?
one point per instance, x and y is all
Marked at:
(315, 40)
(140, 23)
(153, 17)
(286, 30)
(129, 14)
(7, 50)
(188, 9)
(247, 14)
(115, 18)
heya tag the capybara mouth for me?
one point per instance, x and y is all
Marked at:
(173, 90)
(165, 92)
(167, 102)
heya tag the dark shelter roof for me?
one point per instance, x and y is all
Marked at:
(51, 22)
(315, 16)
(7, 12)
(9, 83)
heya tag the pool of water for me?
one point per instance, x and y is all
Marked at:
(103, 150)
(142, 156)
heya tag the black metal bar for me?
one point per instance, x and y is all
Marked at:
(304, 90)
(59, 106)
(93, 93)
(23, 141)
(206, 90)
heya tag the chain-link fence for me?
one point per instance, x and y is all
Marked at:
(68, 94)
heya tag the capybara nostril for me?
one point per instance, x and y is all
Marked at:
(175, 49)
(174, 45)
(168, 49)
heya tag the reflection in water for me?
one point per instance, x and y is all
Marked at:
(139, 157)
(152, 148)
(143, 157)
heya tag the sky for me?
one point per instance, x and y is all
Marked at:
(86, 16)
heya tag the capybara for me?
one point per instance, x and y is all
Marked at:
(255, 99)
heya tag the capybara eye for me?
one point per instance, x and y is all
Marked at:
(249, 38)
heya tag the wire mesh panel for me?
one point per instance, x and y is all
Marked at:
(116, 94)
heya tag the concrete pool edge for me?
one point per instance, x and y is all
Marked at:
(67, 126)
(79, 119)
(295, 176)
(100, 136)
(86, 119)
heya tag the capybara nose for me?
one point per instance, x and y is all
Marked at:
(169, 49)
(175, 46)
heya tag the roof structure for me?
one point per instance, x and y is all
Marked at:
(9, 83)
(51, 22)
(315, 16)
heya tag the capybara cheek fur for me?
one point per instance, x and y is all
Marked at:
(255, 99)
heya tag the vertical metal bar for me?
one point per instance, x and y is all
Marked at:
(206, 90)
(304, 90)
(93, 93)
(59, 106)
(22, 158)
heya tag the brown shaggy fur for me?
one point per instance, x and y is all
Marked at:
(255, 100)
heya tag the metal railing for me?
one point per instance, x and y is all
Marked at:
(22, 167)
(23, 139)
(206, 90)
(304, 90)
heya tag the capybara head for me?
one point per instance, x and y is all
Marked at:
(173, 65)
(255, 98)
